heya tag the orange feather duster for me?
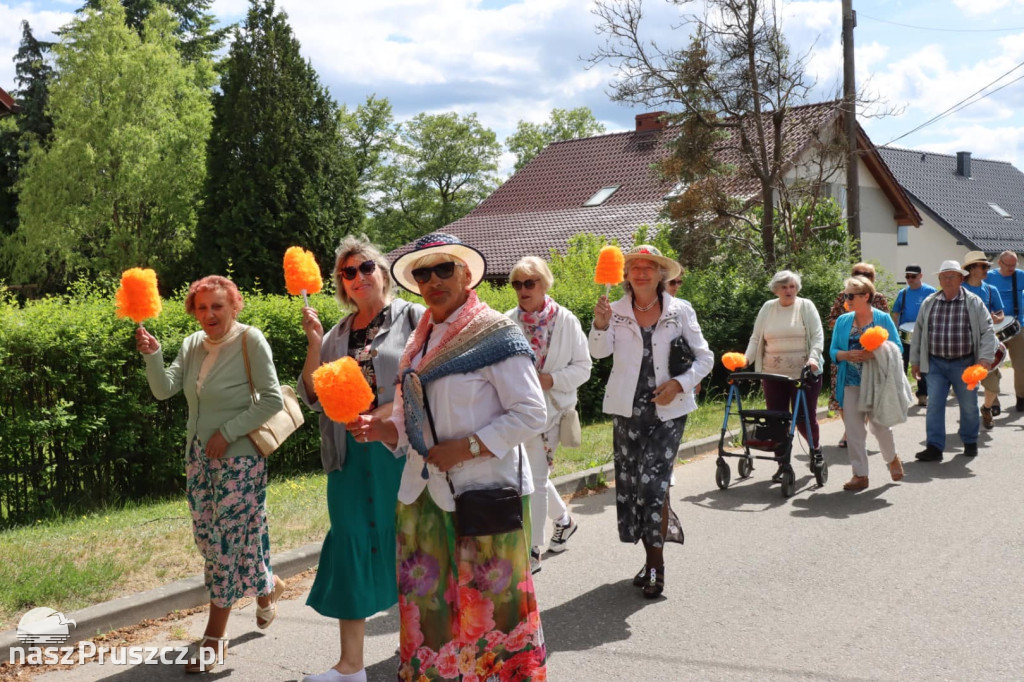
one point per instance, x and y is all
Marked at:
(342, 389)
(734, 361)
(138, 297)
(973, 375)
(610, 264)
(873, 338)
(301, 273)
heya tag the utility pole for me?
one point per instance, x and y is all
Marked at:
(850, 119)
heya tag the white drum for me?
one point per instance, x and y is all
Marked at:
(1007, 329)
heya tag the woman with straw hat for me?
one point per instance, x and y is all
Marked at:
(977, 266)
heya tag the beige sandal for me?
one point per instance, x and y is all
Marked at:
(196, 665)
(268, 613)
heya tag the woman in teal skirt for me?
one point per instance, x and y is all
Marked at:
(357, 573)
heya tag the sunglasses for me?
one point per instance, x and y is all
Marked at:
(863, 274)
(850, 297)
(367, 267)
(674, 282)
(442, 270)
(525, 284)
(911, 275)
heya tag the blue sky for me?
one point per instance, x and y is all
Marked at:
(508, 60)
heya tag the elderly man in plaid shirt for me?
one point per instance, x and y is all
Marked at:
(953, 332)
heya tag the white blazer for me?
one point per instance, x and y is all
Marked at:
(568, 362)
(623, 342)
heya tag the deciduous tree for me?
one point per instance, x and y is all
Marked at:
(119, 182)
(564, 124)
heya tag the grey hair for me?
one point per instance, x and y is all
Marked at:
(352, 245)
(784, 277)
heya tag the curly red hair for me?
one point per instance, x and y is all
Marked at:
(210, 283)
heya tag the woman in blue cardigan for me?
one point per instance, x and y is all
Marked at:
(850, 357)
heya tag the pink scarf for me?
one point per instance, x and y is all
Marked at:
(537, 328)
(470, 309)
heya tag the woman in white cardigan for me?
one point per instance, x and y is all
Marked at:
(649, 406)
(563, 364)
(787, 337)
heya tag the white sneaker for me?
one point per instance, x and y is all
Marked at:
(535, 560)
(561, 535)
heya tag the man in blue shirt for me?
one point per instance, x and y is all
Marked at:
(904, 311)
(1009, 281)
(976, 265)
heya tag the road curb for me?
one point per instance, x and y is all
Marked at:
(189, 593)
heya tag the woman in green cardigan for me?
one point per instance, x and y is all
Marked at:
(226, 477)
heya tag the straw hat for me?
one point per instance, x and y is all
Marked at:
(973, 258)
(651, 253)
(438, 242)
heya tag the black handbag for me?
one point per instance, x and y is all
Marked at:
(680, 356)
(484, 512)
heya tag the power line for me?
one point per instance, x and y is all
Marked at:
(964, 103)
(944, 30)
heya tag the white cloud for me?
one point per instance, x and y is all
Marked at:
(43, 22)
(976, 7)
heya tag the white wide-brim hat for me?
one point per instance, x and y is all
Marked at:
(433, 243)
(653, 254)
(951, 266)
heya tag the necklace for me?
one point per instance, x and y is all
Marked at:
(645, 308)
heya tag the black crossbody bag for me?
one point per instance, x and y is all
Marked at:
(484, 512)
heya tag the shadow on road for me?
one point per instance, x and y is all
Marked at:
(592, 505)
(841, 504)
(605, 610)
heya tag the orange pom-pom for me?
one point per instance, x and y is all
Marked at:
(734, 361)
(610, 264)
(301, 273)
(342, 389)
(138, 297)
(973, 375)
(873, 338)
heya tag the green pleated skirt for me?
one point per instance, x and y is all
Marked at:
(356, 577)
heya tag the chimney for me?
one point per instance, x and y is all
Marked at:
(963, 164)
(650, 121)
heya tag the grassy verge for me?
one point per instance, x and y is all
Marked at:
(74, 562)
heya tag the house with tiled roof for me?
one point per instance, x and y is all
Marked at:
(608, 185)
(967, 204)
(7, 104)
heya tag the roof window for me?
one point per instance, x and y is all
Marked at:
(999, 210)
(602, 195)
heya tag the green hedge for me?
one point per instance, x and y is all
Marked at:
(79, 427)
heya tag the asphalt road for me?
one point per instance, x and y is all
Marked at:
(918, 580)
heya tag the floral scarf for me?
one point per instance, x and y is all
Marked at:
(537, 328)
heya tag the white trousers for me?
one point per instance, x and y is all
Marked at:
(857, 436)
(545, 502)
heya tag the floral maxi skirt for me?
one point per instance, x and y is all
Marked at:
(467, 606)
(227, 499)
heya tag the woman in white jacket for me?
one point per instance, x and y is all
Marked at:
(649, 406)
(563, 364)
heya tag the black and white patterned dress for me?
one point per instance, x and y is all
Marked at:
(645, 452)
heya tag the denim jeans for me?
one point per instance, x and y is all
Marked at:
(941, 375)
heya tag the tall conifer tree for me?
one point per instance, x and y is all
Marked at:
(276, 174)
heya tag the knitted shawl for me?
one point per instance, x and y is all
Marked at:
(477, 338)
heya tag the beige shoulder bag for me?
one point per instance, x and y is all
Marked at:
(269, 436)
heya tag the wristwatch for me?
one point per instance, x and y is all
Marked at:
(474, 446)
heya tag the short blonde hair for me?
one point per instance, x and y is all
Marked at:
(864, 267)
(435, 258)
(360, 246)
(860, 285)
(535, 267)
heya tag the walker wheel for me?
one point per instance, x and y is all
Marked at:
(821, 474)
(745, 467)
(788, 483)
(722, 474)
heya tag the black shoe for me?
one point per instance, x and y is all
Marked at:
(970, 449)
(655, 583)
(640, 578)
(777, 476)
(1020, 404)
(929, 454)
